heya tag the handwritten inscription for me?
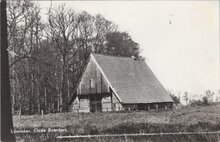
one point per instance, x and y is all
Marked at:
(39, 130)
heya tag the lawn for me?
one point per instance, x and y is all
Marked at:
(103, 122)
(186, 119)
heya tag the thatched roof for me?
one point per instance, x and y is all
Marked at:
(132, 80)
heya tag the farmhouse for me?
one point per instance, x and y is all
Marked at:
(110, 83)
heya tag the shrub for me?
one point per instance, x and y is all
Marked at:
(205, 101)
(175, 99)
(196, 103)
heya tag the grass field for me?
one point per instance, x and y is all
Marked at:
(187, 116)
(187, 119)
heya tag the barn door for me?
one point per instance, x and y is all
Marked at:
(95, 103)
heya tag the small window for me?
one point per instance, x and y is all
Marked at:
(92, 83)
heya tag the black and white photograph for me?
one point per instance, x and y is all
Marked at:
(110, 71)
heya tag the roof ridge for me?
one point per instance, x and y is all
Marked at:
(111, 55)
(115, 56)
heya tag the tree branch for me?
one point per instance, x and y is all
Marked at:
(17, 60)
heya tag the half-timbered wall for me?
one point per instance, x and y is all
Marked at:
(106, 103)
(84, 105)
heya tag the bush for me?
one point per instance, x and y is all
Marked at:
(175, 99)
(205, 101)
(197, 103)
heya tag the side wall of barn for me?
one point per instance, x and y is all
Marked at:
(149, 106)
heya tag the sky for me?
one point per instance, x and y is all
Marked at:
(179, 39)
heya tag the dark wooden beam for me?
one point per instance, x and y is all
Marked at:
(6, 113)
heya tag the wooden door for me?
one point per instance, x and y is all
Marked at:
(95, 103)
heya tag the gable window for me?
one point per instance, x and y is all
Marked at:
(92, 83)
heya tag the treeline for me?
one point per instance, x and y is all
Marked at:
(47, 58)
(207, 98)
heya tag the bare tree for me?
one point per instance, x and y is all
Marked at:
(25, 33)
(186, 97)
(175, 98)
(209, 94)
(20, 27)
(102, 27)
(46, 60)
(62, 31)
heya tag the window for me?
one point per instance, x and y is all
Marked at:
(92, 83)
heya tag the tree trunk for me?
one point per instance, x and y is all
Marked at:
(13, 82)
(58, 98)
(13, 91)
(19, 95)
(30, 107)
(45, 98)
(60, 101)
(20, 111)
(6, 113)
(38, 97)
(64, 89)
(57, 102)
(68, 86)
(32, 92)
